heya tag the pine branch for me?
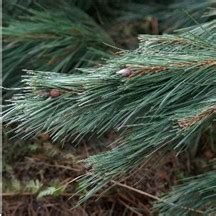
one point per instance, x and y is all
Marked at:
(51, 39)
(185, 13)
(89, 96)
(198, 193)
(156, 130)
(158, 96)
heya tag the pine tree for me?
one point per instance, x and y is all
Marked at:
(158, 97)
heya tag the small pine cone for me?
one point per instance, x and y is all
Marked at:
(54, 93)
(124, 72)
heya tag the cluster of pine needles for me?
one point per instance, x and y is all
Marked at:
(157, 99)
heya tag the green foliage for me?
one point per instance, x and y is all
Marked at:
(165, 117)
(33, 186)
(60, 36)
(197, 194)
(89, 96)
(16, 186)
(184, 13)
(51, 39)
(51, 191)
(13, 185)
(164, 103)
(153, 107)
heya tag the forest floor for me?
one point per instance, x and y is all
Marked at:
(40, 164)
